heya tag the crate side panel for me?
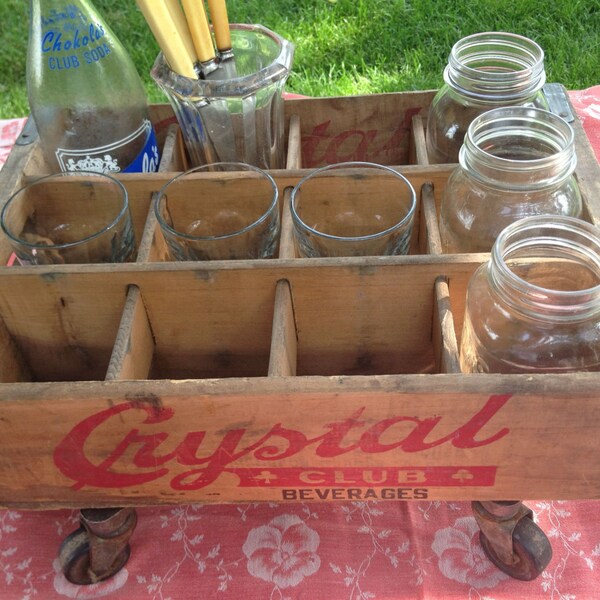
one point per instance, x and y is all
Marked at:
(290, 439)
(587, 173)
(365, 322)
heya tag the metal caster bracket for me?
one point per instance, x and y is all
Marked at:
(100, 547)
(497, 521)
(511, 539)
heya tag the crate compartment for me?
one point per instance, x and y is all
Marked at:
(375, 128)
(69, 191)
(365, 321)
(209, 325)
(51, 334)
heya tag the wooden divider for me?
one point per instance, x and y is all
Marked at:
(443, 331)
(284, 342)
(418, 148)
(134, 345)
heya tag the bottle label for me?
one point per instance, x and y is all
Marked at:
(104, 159)
(70, 40)
(147, 160)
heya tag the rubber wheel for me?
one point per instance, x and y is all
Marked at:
(74, 557)
(531, 547)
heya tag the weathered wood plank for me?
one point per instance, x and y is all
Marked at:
(444, 332)
(436, 437)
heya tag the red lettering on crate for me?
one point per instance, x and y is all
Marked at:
(146, 463)
(346, 477)
(320, 148)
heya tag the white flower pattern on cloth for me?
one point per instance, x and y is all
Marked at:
(461, 556)
(283, 552)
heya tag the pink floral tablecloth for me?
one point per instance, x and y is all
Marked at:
(9, 132)
(309, 551)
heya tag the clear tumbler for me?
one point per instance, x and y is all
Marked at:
(239, 119)
(220, 211)
(353, 209)
(73, 217)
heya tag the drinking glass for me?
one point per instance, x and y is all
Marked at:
(241, 118)
(353, 209)
(220, 211)
(71, 217)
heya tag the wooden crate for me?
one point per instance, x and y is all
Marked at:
(284, 379)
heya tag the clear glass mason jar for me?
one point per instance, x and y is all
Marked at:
(535, 305)
(484, 71)
(515, 162)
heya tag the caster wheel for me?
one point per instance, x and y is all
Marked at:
(532, 551)
(74, 557)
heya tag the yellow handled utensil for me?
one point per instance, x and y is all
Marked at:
(220, 23)
(168, 36)
(182, 27)
(195, 14)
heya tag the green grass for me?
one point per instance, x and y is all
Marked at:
(352, 46)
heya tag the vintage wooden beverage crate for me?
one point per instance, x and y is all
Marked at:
(286, 379)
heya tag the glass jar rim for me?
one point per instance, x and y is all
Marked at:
(239, 166)
(64, 174)
(349, 165)
(524, 123)
(567, 237)
(522, 77)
